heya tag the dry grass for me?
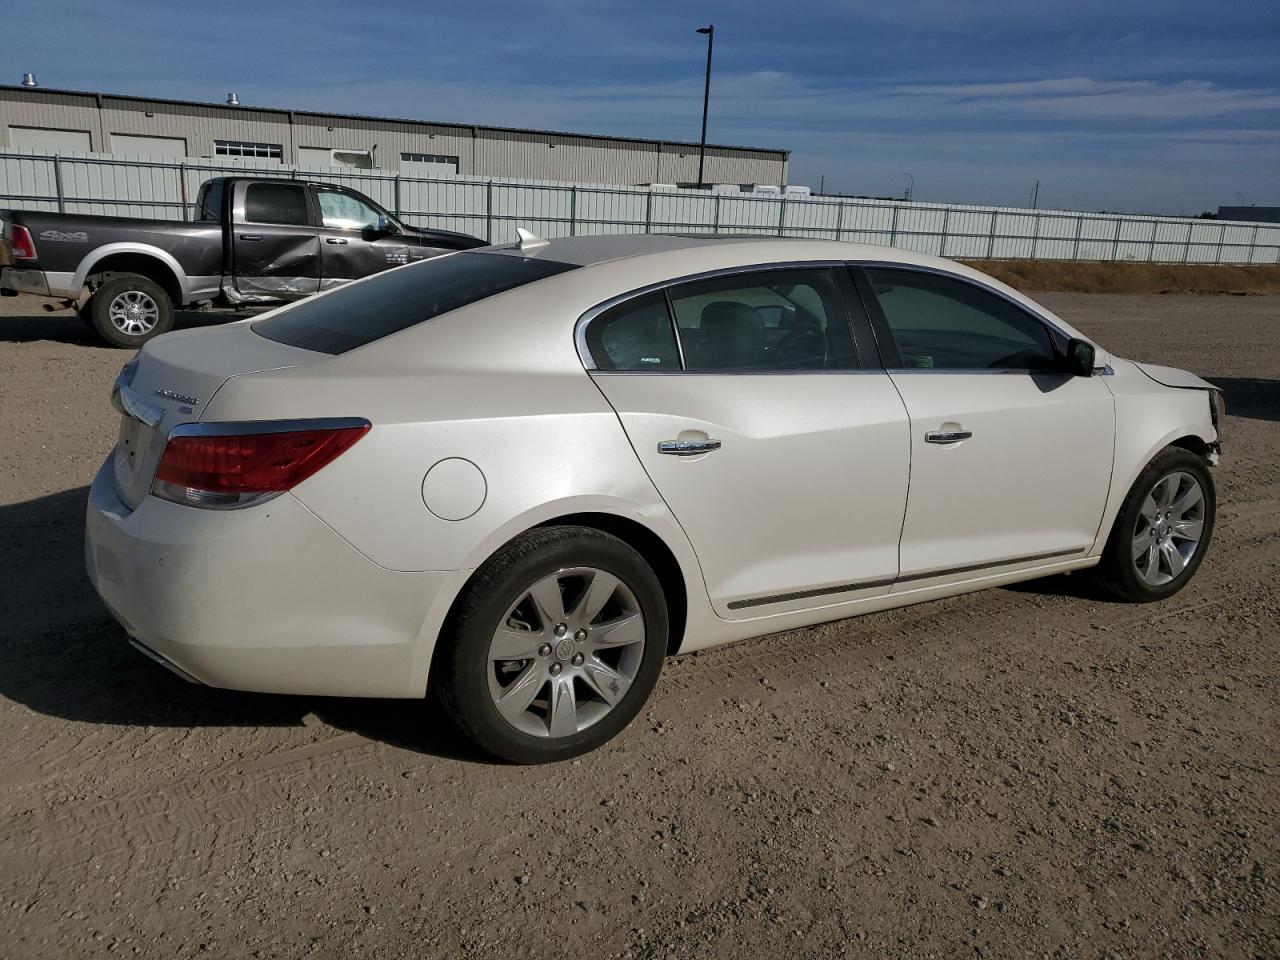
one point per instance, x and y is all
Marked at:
(1141, 278)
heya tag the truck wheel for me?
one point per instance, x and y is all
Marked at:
(128, 310)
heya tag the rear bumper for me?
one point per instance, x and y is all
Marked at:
(267, 598)
(24, 281)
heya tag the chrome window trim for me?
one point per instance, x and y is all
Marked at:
(938, 272)
(580, 328)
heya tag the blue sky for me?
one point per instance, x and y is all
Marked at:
(1153, 106)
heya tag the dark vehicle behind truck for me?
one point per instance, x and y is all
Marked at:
(254, 242)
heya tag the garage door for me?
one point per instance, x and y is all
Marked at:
(155, 148)
(52, 141)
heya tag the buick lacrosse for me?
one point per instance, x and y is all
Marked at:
(519, 477)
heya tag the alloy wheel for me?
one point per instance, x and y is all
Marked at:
(133, 313)
(566, 652)
(1169, 528)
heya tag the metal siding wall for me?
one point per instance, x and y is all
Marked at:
(101, 184)
(59, 111)
(480, 151)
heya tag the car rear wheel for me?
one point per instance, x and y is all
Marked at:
(555, 645)
(1163, 529)
(129, 309)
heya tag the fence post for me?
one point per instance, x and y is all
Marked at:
(782, 216)
(1253, 243)
(946, 222)
(573, 210)
(715, 207)
(1035, 236)
(1186, 248)
(1075, 246)
(1151, 249)
(397, 183)
(1115, 244)
(182, 190)
(57, 182)
(991, 240)
(1222, 237)
(648, 212)
(840, 220)
(488, 211)
(893, 227)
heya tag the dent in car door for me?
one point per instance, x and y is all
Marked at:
(790, 484)
(1010, 458)
(275, 247)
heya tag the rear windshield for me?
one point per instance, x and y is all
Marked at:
(359, 314)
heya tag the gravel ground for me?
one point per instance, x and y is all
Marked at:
(1024, 772)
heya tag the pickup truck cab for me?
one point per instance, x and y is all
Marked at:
(255, 241)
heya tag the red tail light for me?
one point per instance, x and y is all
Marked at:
(209, 468)
(20, 243)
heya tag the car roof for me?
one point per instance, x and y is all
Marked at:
(585, 251)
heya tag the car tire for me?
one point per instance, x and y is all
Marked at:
(546, 696)
(1150, 553)
(130, 309)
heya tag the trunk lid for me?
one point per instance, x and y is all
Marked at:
(175, 377)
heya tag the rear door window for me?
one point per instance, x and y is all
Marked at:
(352, 316)
(635, 335)
(284, 203)
(790, 319)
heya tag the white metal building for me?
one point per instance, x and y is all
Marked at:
(65, 121)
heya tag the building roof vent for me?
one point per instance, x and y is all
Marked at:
(233, 100)
(29, 80)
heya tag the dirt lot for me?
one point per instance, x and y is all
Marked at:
(1019, 773)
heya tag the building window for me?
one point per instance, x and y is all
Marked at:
(427, 158)
(242, 148)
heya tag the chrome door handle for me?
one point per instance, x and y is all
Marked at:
(335, 240)
(250, 236)
(688, 448)
(947, 436)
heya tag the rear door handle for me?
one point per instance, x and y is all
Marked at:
(250, 236)
(335, 240)
(688, 448)
(947, 436)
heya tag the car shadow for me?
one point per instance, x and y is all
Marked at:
(63, 326)
(64, 655)
(1077, 585)
(1250, 398)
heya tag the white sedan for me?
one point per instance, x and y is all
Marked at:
(520, 477)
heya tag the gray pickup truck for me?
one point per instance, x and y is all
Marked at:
(254, 242)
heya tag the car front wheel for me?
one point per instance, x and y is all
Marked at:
(555, 645)
(1163, 529)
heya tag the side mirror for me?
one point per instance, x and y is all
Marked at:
(1080, 357)
(386, 224)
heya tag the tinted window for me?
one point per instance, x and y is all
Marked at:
(352, 316)
(948, 324)
(635, 335)
(276, 203)
(771, 320)
(211, 201)
(345, 212)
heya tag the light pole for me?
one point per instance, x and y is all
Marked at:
(911, 186)
(710, 31)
